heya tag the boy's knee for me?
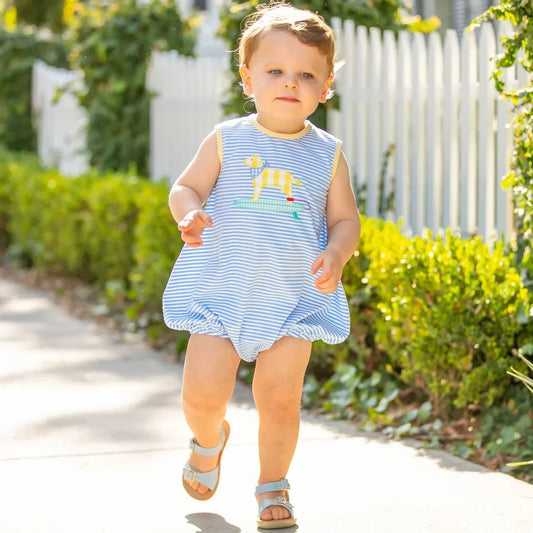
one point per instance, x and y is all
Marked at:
(279, 402)
(199, 400)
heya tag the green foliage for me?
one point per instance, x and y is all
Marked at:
(113, 230)
(109, 241)
(112, 46)
(44, 13)
(405, 296)
(518, 48)
(424, 284)
(525, 379)
(18, 51)
(383, 14)
(157, 246)
(16, 180)
(506, 430)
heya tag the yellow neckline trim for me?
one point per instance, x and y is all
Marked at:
(296, 135)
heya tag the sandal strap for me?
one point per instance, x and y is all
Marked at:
(279, 501)
(208, 452)
(273, 486)
(208, 479)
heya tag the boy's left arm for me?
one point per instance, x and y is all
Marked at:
(344, 229)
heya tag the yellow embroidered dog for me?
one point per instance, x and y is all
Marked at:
(264, 176)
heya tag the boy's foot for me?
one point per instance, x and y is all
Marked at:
(201, 474)
(201, 463)
(274, 512)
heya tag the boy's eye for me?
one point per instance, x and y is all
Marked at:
(275, 71)
(307, 75)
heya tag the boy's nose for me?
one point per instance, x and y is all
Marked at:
(290, 82)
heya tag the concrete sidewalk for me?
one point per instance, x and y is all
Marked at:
(92, 439)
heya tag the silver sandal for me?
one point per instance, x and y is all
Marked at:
(279, 501)
(208, 479)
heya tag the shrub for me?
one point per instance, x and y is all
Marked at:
(100, 228)
(112, 47)
(109, 230)
(18, 51)
(157, 245)
(48, 13)
(450, 313)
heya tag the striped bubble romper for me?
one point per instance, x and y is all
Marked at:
(250, 281)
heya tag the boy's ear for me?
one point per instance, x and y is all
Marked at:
(244, 71)
(325, 90)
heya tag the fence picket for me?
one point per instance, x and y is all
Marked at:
(374, 122)
(346, 96)
(402, 132)
(467, 135)
(61, 125)
(504, 141)
(486, 141)
(389, 68)
(450, 127)
(434, 134)
(334, 115)
(360, 69)
(418, 148)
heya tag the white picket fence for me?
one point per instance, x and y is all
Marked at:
(59, 119)
(434, 102)
(185, 109)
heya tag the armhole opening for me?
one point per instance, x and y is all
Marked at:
(336, 159)
(220, 146)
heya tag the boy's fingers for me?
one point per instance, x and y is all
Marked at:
(185, 224)
(326, 271)
(325, 276)
(198, 217)
(206, 219)
(317, 264)
(192, 241)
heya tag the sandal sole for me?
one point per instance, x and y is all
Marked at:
(210, 493)
(276, 524)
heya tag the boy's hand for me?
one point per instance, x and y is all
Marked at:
(330, 261)
(192, 226)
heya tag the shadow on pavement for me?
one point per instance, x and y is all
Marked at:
(211, 523)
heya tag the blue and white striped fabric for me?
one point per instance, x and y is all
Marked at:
(250, 281)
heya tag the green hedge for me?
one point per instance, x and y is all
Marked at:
(442, 315)
(449, 315)
(102, 228)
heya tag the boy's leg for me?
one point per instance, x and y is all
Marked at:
(277, 387)
(209, 376)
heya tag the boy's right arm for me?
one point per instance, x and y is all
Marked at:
(192, 189)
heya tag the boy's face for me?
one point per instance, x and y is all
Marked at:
(287, 79)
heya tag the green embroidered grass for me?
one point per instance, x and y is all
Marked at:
(272, 206)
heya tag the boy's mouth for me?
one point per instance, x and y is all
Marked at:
(288, 99)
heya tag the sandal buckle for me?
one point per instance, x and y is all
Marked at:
(281, 500)
(186, 474)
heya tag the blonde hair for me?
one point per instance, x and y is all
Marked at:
(310, 28)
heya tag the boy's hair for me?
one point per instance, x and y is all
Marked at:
(310, 28)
